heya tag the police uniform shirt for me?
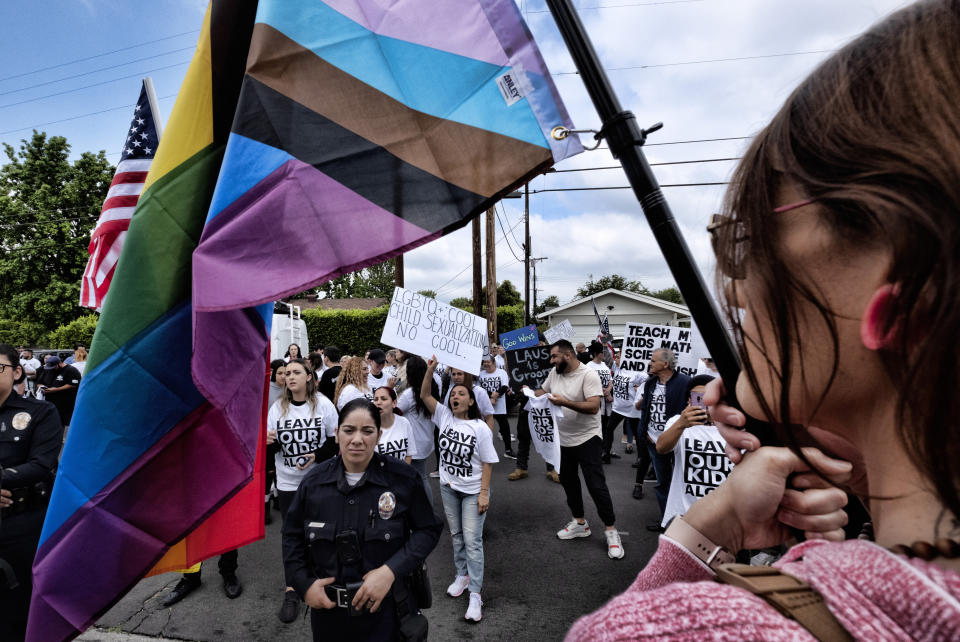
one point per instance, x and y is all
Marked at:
(388, 509)
(65, 399)
(30, 438)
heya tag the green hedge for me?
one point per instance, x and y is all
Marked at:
(18, 333)
(77, 331)
(353, 331)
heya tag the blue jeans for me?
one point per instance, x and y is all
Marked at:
(663, 468)
(466, 529)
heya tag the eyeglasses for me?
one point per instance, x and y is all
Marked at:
(722, 225)
(4, 366)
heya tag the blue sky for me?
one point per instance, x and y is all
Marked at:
(668, 47)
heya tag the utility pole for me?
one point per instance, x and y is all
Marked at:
(526, 254)
(533, 264)
(398, 271)
(491, 277)
(477, 304)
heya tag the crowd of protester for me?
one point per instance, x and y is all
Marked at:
(835, 256)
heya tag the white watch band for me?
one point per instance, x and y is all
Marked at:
(694, 541)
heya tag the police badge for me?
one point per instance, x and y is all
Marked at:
(386, 505)
(21, 420)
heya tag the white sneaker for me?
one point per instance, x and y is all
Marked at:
(574, 529)
(473, 611)
(614, 547)
(458, 586)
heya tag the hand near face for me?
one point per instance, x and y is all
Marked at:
(754, 508)
(693, 416)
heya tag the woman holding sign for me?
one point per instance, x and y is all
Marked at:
(466, 455)
(839, 271)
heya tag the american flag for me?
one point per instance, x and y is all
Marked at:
(107, 238)
(603, 330)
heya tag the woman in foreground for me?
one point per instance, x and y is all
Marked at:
(838, 257)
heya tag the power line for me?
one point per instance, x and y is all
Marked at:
(591, 169)
(688, 142)
(69, 118)
(95, 71)
(509, 245)
(100, 55)
(701, 62)
(469, 265)
(591, 189)
(105, 82)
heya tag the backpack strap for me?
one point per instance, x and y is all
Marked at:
(793, 598)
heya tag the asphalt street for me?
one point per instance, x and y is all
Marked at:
(535, 585)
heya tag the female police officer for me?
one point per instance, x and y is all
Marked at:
(30, 439)
(357, 528)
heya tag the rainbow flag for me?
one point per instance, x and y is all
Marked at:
(147, 457)
(339, 133)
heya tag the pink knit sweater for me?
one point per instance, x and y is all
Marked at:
(875, 594)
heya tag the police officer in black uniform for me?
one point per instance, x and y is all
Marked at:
(30, 438)
(355, 538)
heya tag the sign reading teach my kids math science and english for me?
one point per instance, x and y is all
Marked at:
(522, 338)
(641, 339)
(425, 327)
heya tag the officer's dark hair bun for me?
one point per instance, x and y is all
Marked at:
(11, 353)
(360, 403)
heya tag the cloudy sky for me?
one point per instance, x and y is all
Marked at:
(707, 69)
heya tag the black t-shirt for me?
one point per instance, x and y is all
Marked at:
(328, 382)
(65, 399)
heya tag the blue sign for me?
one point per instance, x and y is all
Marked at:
(523, 338)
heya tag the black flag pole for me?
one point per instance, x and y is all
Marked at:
(625, 139)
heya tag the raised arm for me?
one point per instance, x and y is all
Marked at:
(426, 389)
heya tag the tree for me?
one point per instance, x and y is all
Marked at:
(507, 294)
(548, 303)
(376, 281)
(615, 281)
(671, 294)
(48, 208)
(432, 294)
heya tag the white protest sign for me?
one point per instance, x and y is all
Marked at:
(425, 327)
(543, 420)
(641, 339)
(563, 330)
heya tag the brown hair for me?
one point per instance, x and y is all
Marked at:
(873, 136)
(286, 396)
(351, 373)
